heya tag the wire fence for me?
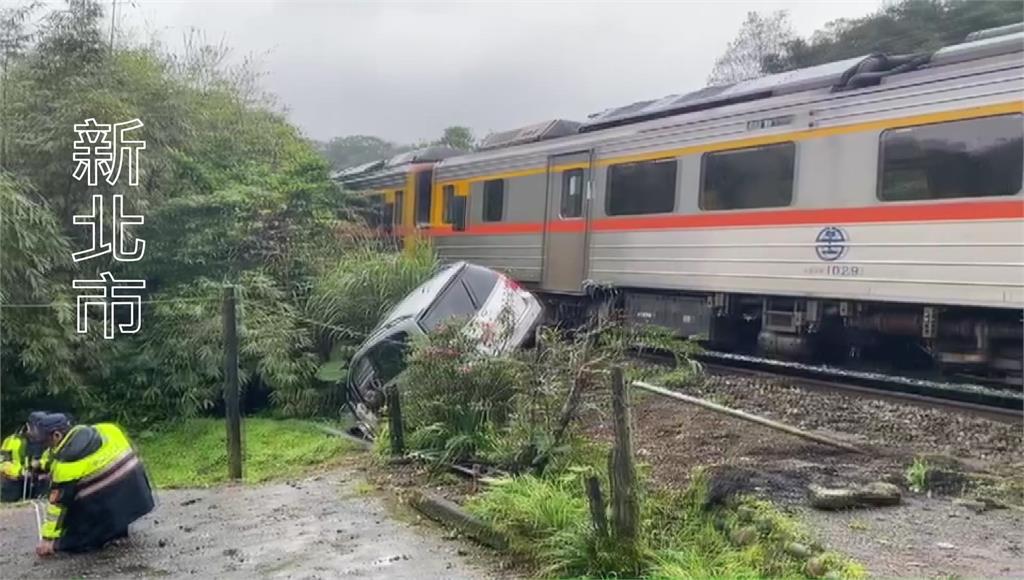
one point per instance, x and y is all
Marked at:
(347, 332)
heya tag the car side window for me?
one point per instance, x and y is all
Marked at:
(480, 281)
(453, 303)
(388, 357)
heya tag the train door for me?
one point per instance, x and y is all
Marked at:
(566, 222)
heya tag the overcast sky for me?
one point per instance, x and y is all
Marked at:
(404, 71)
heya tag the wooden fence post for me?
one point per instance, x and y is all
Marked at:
(597, 509)
(232, 410)
(395, 426)
(622, 471)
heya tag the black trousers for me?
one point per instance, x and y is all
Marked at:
(11, 489)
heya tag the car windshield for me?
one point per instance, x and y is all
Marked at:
(421, 297)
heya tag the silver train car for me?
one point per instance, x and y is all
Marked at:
(864, 208)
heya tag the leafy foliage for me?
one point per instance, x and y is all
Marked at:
(353, 293)
(917, 475)
(518, 409)
(354, 150)
(457, 137)
(456, 398)
(760, 40)
(766, 44)
(902, 27)
(231, 194)
(548, 521)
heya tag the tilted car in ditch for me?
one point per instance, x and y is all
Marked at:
(487, 301)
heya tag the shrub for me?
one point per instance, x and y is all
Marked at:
(548, 522)
(457, 399)
(917, 475)
(350, 297)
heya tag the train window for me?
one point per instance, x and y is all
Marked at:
(641, 187)
(748, 178)
(423, 195)
(572, 193)
(399, 207)
(970, 158)
(448, 203)
(494, 200)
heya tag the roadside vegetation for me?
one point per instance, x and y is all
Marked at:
(193, 452)
(519, 413)
(682, 535)
(231, 194)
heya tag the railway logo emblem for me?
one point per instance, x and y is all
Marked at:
(830, 245)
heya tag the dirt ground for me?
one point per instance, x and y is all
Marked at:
(924, 537)
(330, 525)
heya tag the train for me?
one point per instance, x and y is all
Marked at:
(866, 209)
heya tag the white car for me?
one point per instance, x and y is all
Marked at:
(488, 301)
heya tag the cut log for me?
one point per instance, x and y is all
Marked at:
(871, 495)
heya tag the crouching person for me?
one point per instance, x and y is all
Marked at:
(98, 486)
(13, 467)
(19, 457)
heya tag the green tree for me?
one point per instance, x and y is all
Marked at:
(457, 137)
(354, 150)
(231, 193)
(902, 27)
(755, 50)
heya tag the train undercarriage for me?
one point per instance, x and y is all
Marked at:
(961, 343)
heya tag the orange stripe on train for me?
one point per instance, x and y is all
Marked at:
(953, 211)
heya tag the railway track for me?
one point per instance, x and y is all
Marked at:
(1001, 404)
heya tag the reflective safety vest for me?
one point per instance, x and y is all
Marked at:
(12, 456)
(98, 487)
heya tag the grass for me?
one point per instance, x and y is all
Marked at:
(193, 453)
(917, 475)
(548, 523)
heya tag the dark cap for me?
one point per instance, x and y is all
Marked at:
(35, 416)
(51, 423)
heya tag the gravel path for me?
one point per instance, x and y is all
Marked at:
(324, 526)
(925, 538)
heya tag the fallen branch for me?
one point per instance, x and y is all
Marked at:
(362, 443)
(450, 514)
(570, 408)
(749, 417)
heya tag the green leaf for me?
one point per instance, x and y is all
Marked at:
(332, 371)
